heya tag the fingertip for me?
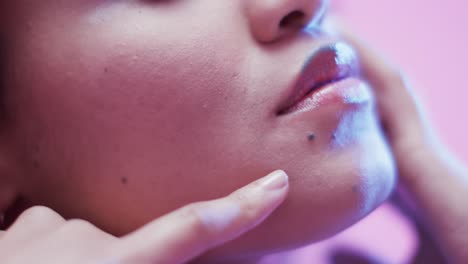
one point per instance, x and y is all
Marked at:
(247, 207)
(276, 180)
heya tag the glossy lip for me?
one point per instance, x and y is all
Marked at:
(327, 65)
(350, 92)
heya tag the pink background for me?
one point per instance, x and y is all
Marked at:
(428, 39)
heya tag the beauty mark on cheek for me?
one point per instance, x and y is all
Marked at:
(124, 180)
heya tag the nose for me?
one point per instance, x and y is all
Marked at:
(270, 20)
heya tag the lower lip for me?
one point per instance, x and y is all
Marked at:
(349, 92)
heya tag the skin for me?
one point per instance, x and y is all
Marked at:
(433, 187)
(119, 112)
(435, 191)
(101, 121)
(177, 237)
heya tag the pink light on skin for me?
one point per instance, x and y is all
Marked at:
(440, 89)
(364, 238)
(430, 53)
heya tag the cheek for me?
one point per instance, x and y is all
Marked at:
(126, 120)
(135, 126)
(175, 102)
(123, 98)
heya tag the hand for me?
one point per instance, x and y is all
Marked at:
(40, 235)
(434, 184)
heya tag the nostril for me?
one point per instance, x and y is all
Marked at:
(293, 19)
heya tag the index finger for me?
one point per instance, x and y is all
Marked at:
(188, 232)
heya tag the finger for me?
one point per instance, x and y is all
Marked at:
(32, 224)
(352, 256)
(186, 233)
(397, 103)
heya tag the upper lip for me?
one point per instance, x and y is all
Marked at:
(327, 64)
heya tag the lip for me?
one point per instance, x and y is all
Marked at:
(330, 72)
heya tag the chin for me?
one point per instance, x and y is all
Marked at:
(329, 192)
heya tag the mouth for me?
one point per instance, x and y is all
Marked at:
(329, 67)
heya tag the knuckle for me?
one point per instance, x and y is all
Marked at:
(192, 215)
(240, 197)
(39, 214)
(248, 207)
(82, 230)
(78, 226)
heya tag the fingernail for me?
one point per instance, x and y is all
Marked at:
(275, 181)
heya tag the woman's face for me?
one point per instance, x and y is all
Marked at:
(119, 111)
